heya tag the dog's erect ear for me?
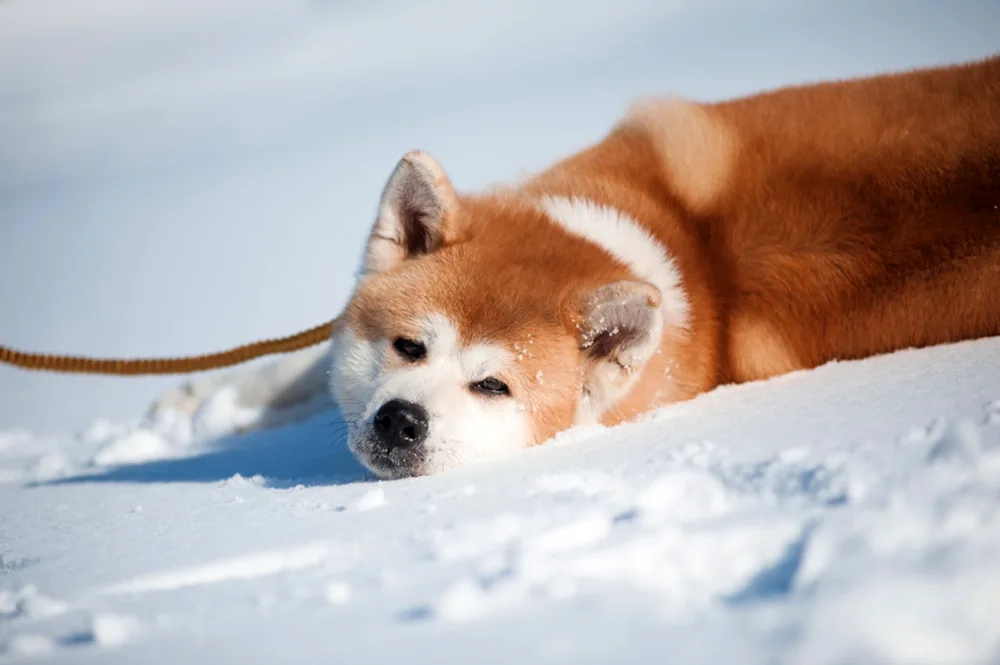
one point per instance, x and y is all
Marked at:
(618, 328)
(416, 204)
(620, 323)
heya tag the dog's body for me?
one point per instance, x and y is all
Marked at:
(696, 245)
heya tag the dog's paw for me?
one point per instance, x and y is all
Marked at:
(209, 409)
(185, 400)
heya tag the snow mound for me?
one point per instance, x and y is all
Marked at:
(846, 514)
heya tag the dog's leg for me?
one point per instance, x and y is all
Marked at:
(288, 389)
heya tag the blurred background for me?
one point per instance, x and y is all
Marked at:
(180, 176)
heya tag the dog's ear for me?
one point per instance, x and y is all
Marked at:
(618, 329)
(415, 207)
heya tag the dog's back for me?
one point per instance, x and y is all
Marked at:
(828, 221)
(864, 216)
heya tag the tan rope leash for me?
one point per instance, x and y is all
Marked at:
(137, 366)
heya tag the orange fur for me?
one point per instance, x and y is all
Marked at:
(829, 221)
(832, 221)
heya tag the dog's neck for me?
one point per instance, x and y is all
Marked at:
(626, 213)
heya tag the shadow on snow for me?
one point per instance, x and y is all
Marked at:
(310, 453)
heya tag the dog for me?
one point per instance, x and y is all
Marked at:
(697, 244)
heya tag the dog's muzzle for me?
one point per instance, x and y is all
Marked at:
(400, 424)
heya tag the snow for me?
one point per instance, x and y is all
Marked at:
(184, 176)
(847, 514)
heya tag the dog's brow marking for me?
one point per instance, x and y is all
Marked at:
(481, 360)
(627, 242)
(440, 335)
(476, 361)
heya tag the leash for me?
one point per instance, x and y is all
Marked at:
(44, 362)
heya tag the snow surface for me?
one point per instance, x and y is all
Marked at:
(178, 176)
(847, 514)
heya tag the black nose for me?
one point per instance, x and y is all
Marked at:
(401, 424)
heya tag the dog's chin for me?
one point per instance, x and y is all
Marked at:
(388, 465)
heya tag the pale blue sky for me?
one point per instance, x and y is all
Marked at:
(180, 177)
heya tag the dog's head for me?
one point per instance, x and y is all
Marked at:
(479, 326)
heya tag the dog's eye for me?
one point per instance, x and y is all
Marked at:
(491, 386)
(410, 349)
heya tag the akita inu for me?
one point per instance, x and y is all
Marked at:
(696, 245)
